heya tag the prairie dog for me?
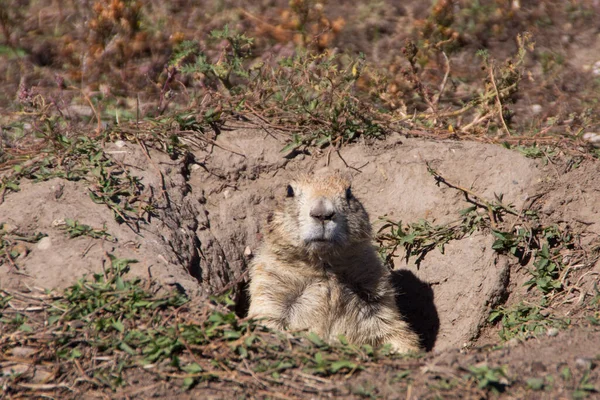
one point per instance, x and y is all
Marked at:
(318, 270)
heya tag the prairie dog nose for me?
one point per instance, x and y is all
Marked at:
(322, 210)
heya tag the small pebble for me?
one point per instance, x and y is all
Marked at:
(247, 251)
(14, 370)
(593, 138)
(44, 244)
(583, 362)
(596, 68)
(58, 222)
(41, 375)
(536, 108)
(22, 351)
(120, 143)
(552, 332)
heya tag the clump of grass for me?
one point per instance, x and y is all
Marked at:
(128, 325)
(54, 147)
(311, 96)
(494, 379)
(525, 320)
(75, 229)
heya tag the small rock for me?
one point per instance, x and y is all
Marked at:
(194, 167)
(593, 138)
(227, 193)
(120, 143)
(44, 244)
(583, 362)
(58, 222)
(513, 342)
(247, 251)
(41, 375)
(536, 108)
(76, 324)
(14, 369)
(22, 351)
(545, 312)
(596, 68)
(552, 332)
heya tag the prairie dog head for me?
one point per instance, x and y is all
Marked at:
(321, 214)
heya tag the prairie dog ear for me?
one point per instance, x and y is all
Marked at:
(347, 175)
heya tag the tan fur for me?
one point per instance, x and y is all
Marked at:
(318, 270)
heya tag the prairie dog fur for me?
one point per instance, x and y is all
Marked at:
(318, 270)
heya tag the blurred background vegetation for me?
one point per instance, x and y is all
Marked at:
(512, 72)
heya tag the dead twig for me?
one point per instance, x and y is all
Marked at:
(436, 99)
(498, 101)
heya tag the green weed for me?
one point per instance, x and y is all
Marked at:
(310, 96)
(524, 320)
(494, 379)
(76, 229)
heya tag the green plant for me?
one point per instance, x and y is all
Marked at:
(585, 387)
(524, 320)
(75, 229)
(310, 96)
(535, 151)
(421, 237)
(489, 378)
(230, 64)
(546, 272)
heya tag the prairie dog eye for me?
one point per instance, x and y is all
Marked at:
(290, 191)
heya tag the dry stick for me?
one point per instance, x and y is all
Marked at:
(212, 142)
(249, 371)
(85, 376)
(481, 201)
(44, 386)
(99, 121)
(531, 200)
(232, 283)
(498, 100)
(479, 118)
(444, 81)
(10, 260)
(349, 166)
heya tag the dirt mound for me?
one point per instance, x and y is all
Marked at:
(214, 203)
(392, 180)
(58, 260)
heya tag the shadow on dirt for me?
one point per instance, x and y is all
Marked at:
(414, 298)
